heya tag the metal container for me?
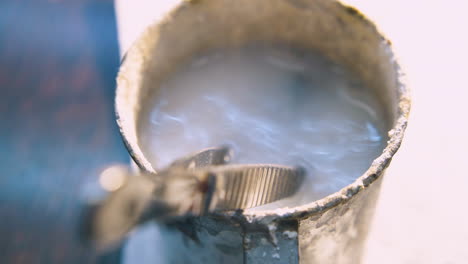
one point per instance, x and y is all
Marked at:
(330, 230)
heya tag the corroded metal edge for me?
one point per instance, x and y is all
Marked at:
(320, 206)
(379, 164)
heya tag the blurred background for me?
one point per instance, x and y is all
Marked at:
(58, 62)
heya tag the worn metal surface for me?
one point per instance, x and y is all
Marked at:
(330, 230)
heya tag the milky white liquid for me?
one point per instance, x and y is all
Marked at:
(271, 105)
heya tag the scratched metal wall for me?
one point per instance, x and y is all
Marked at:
(58, 61)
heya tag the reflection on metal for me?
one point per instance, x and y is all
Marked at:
(194, 185)
(113, 178)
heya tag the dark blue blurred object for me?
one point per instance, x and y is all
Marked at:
(58, 62)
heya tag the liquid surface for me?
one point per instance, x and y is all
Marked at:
(272, 106)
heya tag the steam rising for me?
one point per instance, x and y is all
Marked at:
(271, 105)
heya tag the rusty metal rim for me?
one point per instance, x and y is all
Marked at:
(346, 193)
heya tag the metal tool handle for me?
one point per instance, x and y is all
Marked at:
(193, 185)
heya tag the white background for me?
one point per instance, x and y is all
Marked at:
(422, 211)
